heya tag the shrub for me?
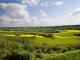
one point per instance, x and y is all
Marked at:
(17, 34)
(39, 55)
(48, 35)
(17, 56)
(67, 49)
(77, 34)
(56, 48)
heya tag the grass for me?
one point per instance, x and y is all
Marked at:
(59, 38)
(72, 55)
(62, 39)
(53, 42)
(73, 30)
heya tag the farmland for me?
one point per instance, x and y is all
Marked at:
(39, 43)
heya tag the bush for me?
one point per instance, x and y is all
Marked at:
(48, 35)
(57, 49)
(77, 34)
(39, 55)
(17, 34)
(17, 56)
(67, 49)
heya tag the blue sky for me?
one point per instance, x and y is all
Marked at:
(14, 13)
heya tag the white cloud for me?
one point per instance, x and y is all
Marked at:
(40, 21)
(75, 12)
(16, 14)
(43, 19)
(44, 4)
(75, 16)
(30, 2)
(43, 13)
(15, 10)
(58, 3)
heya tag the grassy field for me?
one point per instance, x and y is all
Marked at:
(64, 46)
(72, 55)
(64, 37)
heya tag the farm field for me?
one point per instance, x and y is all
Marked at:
(64, 37)
(40, 45)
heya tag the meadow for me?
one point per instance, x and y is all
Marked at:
(42, 44)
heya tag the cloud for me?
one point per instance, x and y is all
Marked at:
(46, 4)
(30, 2)
(40, 21)
(14, 10)
(16, 14)
(43, 13)
(58, 3)
(43, 19)
(75, 16)
(75, 12)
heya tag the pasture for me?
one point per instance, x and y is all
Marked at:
(39, 46)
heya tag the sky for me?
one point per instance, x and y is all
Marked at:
(29, 13)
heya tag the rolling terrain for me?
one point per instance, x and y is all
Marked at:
(46, 43)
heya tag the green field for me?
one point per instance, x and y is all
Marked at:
(63, 37)
(60, 46)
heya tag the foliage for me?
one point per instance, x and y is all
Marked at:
(45, 43)
(77, 34)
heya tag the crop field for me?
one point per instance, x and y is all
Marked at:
(64, 37)
(64, 45)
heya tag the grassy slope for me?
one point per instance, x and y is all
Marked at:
(64, 37)
(53, 42)
(72, 55)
